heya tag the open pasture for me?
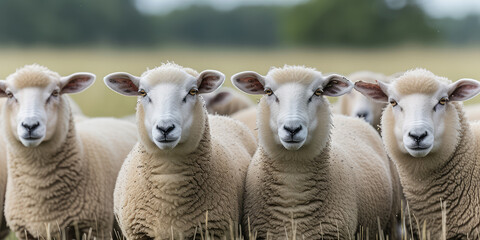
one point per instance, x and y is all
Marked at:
(98, 100)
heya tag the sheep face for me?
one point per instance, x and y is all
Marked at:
(364, 108)
(422, 115)
(354, 104)
(33, 98)
(168, 97)
(294, 100)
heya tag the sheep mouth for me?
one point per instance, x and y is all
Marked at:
(292, 141)
(166, 140)
(31, 138)
(419, 148)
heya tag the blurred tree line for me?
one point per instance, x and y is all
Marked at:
(314, 23)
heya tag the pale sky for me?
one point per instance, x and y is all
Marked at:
(435, 8)
(166, 6)
(450, 8)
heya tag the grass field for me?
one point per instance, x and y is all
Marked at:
(98, 100)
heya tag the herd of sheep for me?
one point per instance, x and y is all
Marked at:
(292, 166)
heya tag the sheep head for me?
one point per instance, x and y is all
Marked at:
(354, 104)
(295, 96)
(421, 108)
(168, 95)
(33, 98)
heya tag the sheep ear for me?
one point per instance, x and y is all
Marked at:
(249, 82)
(463, 89)
(209, 80)
(76, 82)
(123, 83)
(336, 85)
(3, 88)
(376, 92)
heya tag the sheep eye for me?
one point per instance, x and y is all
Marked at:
(269, 92)
(55, 93)
(393, 102)
(9, 94)
(318, 92)
(193, 92)
(142, 92)
(443, 101)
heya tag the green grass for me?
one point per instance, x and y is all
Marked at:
(454, 63)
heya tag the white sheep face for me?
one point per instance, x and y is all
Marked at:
(33, 113)
(168, 101)
(33, 107)
(419, 124)
(419, 121)
(168, 111)
(364, 108)
(294, 104)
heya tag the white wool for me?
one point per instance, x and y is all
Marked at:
(449, 174)
(69, 179)
(158, 191)
(340, 180)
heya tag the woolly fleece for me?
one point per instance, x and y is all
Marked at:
(226, 102)
(248, 117)
(345, 103)
(451, 174)
(339, 181)
(3, 179)
(67, 180)
(158, 192)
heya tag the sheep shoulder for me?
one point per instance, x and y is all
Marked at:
(105, 142)
(3, 185)
(235, 134)
(357, 145)
(248, 117)
(109, 139)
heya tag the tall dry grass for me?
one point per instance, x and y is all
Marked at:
(411, 229)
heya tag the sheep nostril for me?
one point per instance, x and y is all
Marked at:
(363, 115)
(293, 131)
(166, 130)
(30, 127)
(418, 138)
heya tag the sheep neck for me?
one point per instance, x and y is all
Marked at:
(64, 144)
(456, 183)
(296, 188)
(181, 181)
(53, 169)
(48, 158)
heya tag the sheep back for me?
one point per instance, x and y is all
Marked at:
(248, 117)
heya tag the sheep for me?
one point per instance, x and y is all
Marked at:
(472, 112)
(60, 174)
(426, 133)
(351, 104)
(248, 117)
(354, 104)
(77, 112)
(186, 163)
(226, 101)
(3, 180)
(327, 173)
